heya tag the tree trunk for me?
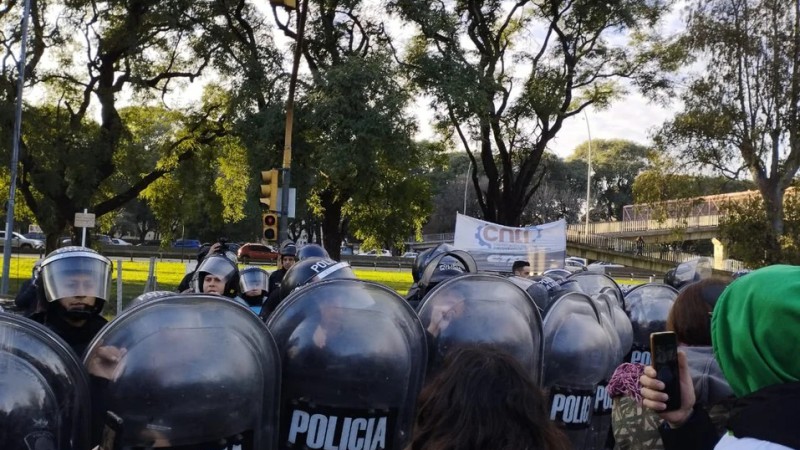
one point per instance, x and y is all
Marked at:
(773, 206)
(332, 232)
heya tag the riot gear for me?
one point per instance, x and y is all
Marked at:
(689, 272)
(76, 272)
(353, 359)
(311, 270)
(44, 396)
(148, 296)
(443, 266)
(424, 257)
(647, 306)
(537, 290)
(188, 369)
(557, 274)
(312, 251)
(220, 267)
(592, 283)
(578, 354)
(483, 309)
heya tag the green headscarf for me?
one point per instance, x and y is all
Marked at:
(755, 329)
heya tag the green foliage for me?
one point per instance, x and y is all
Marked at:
(615, 165)
(747, 234)
(462, 58)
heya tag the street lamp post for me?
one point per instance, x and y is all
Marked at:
(588, 174)
(466, 180)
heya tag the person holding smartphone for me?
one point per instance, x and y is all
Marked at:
(754, 333)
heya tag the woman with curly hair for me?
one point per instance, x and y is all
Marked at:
(483, 399)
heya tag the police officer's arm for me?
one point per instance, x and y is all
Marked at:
(688, 427)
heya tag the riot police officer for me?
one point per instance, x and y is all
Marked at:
(217, 274)
(191, 371)
(74, 285)
(287, 256)
(44, 396)
(253, 287)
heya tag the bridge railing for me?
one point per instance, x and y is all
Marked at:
(656, 251)
(631, 226)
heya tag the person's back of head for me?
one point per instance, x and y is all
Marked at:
(483, 398)
(690, 315)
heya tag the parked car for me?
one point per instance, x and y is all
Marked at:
(38, 236)
(186, 243)
(20, 241)
(409, 255)
(603, 266)
(118, 241)
(383, 252)
(256, 252)
(103, 239)
(573, 265)
(346, 251)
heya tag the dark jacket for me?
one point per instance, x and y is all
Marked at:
(26, 299)
(77, 337)
(769, 415)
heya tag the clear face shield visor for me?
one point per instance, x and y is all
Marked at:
(253, 279)
(218, 266)
(77, 276)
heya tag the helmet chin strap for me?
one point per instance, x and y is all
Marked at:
(77, 314)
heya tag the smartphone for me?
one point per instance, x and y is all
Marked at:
(664, 354)
(112, 432)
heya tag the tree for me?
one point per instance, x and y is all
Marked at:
(742, 115)
(463, 59)
(143, 49)
(615, 165)
(558, 194)
(360, 159)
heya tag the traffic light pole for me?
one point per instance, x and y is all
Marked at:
(287, 139)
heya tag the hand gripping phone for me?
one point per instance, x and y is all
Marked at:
(664, 354)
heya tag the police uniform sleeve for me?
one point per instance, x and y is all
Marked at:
(698, 433)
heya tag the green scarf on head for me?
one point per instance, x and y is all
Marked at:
(755, 329)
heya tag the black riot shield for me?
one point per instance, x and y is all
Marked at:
(578, 354)
(691, 271)
(44, 396)
(647, 306)
(536, 289)
(483, 309)
(353, 356)
(592, 283)
(188, 369)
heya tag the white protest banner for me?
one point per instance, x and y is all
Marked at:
(496, 247)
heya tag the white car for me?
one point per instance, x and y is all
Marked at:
(20, 241)
(603, 266)
(573, 265)
(118, 241)
(409, 255)
(383, 252)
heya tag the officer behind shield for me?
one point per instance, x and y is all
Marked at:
(185, 371)
(218, 275)
(74, 286)
(253, 287)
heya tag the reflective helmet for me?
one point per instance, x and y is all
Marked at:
(221, 267)
(689, 272)
(311, 250)
(147, 296)
(353, 361)
(557, 274)
(187, 369)
(252, 278)
(535, 289)
(44, 394)
(443, 266)
(313, 269)
(592, 283)
(76, 272)
(482, 309)
(647, 306)
(424, 257)
(288, 248)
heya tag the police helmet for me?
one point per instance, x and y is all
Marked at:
(188, 369)
(311, 250)
(688, 272)
(288, 248)
(148, 296)
(443, 266)
(557, 274)
(76, 272)
(251, 278)
(313, 269)
(220, 266)
(647, 306)
(424, 257)
(44, 394)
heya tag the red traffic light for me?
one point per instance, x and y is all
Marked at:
(270, 220)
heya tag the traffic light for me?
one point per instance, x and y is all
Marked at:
(269, 189)
(269, 221)
(289, 4)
